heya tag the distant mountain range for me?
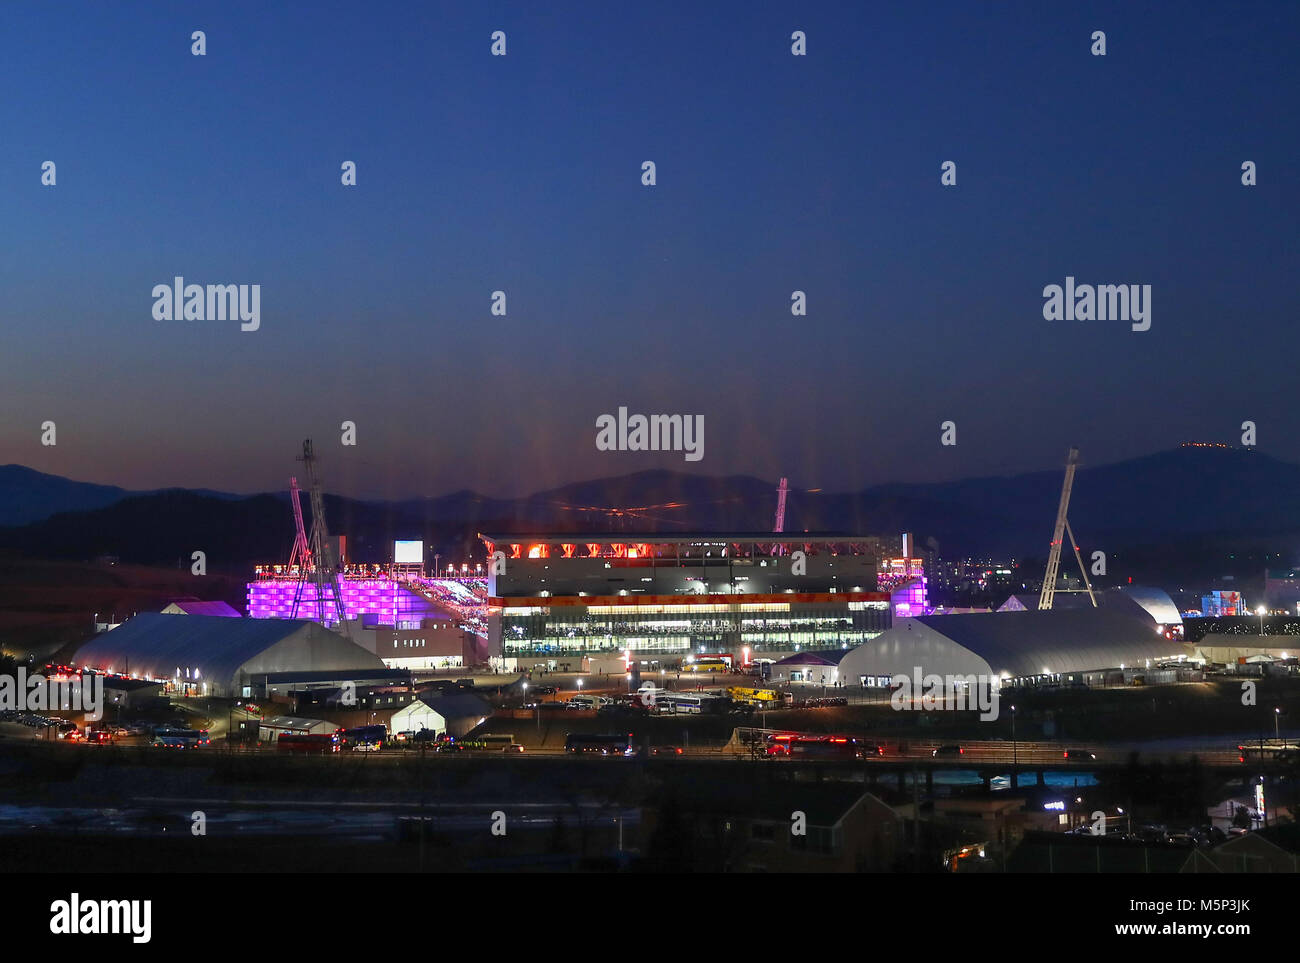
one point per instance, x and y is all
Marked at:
(1194, 509)
(27, 495)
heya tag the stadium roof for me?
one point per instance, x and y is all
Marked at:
(156, 645)
(195, 607)
(1154, 601)
(1062, 640)
(672, 538)
(829, 657)
(1019, 644)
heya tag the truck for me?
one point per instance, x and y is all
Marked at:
(751, 696)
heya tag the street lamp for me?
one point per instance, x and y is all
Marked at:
(1277, 712)
(1013, 748)
(1260, 612)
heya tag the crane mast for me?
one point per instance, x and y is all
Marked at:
(301, 554)
(779, 526)
(1048, 593)
(324, 571)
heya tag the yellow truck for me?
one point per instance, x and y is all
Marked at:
(749, 696)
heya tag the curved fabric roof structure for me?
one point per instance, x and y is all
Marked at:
(1156, 601)
(1013, 644)
(157, 645)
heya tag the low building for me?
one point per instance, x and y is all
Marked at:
(438, 643)
(131, 693)
(451, 714)
(1222, 648)
(270, 730)
(817, 668)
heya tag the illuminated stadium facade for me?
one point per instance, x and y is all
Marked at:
(379, 600)
(561, 598)
(372, 594)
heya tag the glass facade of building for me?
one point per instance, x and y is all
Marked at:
(683, 627)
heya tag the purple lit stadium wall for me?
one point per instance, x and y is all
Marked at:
(382, 598)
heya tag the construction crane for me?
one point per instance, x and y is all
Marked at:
(324, 570)
(1058, 534)
(779, 527)
(301, 554)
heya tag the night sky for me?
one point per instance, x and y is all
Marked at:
(523, 173)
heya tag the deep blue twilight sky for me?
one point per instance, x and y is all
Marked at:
(522, 173)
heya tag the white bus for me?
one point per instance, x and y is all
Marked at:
(679, 704)
(499, 741)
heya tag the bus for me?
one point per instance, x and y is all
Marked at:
(706, 665)
(191, 738)
(307, 742)
(1271, 750)
(500, 742)
(620, 745)
(492, 742)
(678, 704)
(786, 745)
(364, 738)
